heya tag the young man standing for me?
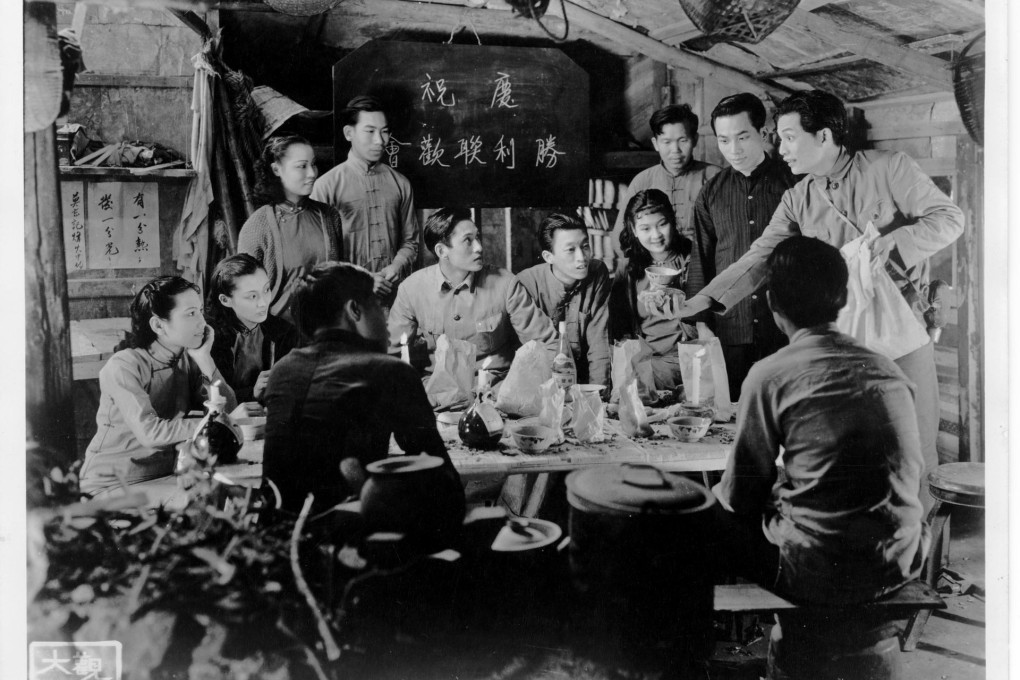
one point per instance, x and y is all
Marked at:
(844, 525)
(573, 288)
(678, 174)
(731, 211)
(844, 190)
(376, 203)
(466, 299)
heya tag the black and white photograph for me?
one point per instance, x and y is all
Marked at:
(508, 340)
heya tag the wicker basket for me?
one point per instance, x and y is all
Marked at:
(303, 8)
(746, 21)
(969, 87)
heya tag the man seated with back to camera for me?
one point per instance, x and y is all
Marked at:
(333, 404)
(465, 299)
(844, 525)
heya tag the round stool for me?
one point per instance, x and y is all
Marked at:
(951, 485)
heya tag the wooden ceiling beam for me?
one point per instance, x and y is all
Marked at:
(932, 69)
(641, 43)
(940, 43)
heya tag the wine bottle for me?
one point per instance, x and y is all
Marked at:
(564, 369)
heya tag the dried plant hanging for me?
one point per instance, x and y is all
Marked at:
(746, 21)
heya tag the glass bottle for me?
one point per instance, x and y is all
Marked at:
(481, 426)
(564, 369)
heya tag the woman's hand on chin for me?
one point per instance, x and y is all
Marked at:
(202, 355)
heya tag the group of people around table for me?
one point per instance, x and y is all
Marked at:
(756, 248)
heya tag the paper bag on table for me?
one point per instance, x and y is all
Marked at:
(589, 416)
(703, 370)
(553, 397)
(633, 420)
(632, 359)
(521, 391)
(449, 386)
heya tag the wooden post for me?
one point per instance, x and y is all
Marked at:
(48, 400)
(971, 355)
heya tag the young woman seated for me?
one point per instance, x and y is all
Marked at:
(249, 340)
(650, 239)
(149, 388)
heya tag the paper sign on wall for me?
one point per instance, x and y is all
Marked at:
(72, 197)
(111, 225)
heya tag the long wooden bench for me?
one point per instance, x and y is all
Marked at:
(915, 601)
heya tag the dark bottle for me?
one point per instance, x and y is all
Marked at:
(216, 434)
(481, 426)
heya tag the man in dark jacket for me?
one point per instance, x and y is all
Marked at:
(333, 404)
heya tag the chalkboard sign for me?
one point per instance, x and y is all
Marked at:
(474, 125)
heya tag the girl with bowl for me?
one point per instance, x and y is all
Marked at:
(658, 257)
(147, 389)
(292, 232)
(249, 340)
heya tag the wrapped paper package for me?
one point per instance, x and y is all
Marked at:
(703, 370)
(633, 420)
(449, 386)
(521, 391)
(589, 415)
(632, 359)
(553, 397)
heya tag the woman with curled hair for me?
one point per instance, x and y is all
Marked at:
(291, 233)
(249, 340)
(650, 238)
(148, 388)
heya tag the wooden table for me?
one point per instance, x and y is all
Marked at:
(710, 454)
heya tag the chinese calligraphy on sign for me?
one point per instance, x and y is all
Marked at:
(392, 150)
(110, 225)
(75, 660)
(432, 152)
(469, 150)
(547, 152)
(72, 198)
(502, 95)
(435, 91)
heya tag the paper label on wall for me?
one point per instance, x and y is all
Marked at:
(72, 198)
(122, 225)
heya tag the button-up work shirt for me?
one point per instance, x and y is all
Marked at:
(681, 189)
(376, 205)
(847, 519)
(586, 315)
(883, 187)
(486, 309)
(732, 211)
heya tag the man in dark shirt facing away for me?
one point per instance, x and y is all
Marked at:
(334, 403)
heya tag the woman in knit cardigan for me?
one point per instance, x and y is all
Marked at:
(291, 233)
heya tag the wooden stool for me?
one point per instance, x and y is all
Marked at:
(951, 485)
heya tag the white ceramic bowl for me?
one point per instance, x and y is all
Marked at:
(252, 428)
(689, 428)
(661, 277)
(531, 438)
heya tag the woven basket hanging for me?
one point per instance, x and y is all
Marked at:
(302, 8)
(969, 87)
(746, 21)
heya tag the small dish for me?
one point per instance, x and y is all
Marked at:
(531, 438)
(696, 410)
(447, 421)
(688, 428)
(520, 534)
